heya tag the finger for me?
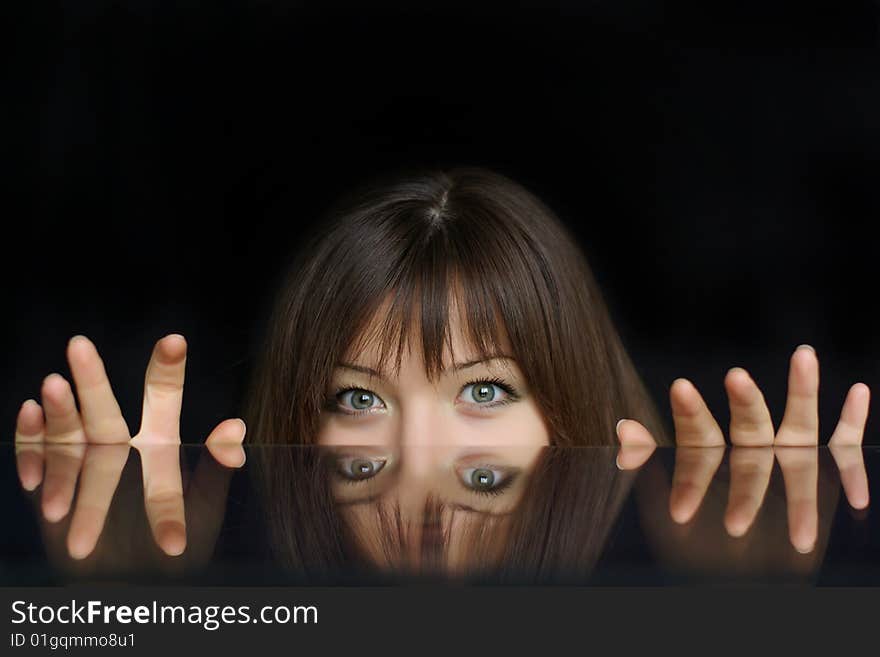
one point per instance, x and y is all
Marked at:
(694, 424)
(851, 427)
(101, 417)
(102, 468)
(694, 469)
(224, 443)
(63, 464)
(163, 390)
(750, 470)
(800, 424)
(750, 422)
(636, 444)
(29, 436)
(163, 494)
(209, 487)
(800, 472)
(63, 424)
(851, 463)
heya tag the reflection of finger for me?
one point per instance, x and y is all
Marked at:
(29, 436)
(163, 389)
(750, 422)
(163, 495)
(851, 463)
(750, 469)
(101, 417)
(636, 444)
(694, 424)
(694, 469)
(224, 443)
(800, 424)
(63, 463)
(102, 467)
(63, 423)
(800, 472)
(851, 426)
(206, 496)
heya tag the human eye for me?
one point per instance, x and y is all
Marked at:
(486, 479)
(359, 468)
(355, 401)
(487, 393)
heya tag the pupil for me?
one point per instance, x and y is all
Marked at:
(483, 393)
(483, 478)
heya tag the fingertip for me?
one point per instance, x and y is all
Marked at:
(80, 348)
(860, 389)
(681, 384)
(172, 347)
(738, 381)
(171, 537)
(30, 470)
(55, 387)
(29, 421)
(77, 340)
(79, 545)
(54, 509)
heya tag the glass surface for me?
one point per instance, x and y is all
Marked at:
(360, 515)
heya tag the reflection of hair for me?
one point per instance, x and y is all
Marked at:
(555, 534)
(416, 240)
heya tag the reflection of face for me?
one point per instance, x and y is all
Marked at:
(399, 517)
(463, 441)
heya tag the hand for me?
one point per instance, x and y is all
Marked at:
(52, 441)
(755, 445)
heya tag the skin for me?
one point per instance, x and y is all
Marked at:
(59, 445)
(431, 429)
(430, 436)
(755, 447)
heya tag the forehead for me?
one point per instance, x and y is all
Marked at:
(389, 336)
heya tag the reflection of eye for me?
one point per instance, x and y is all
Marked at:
(486, 480)
(357, 468)
(358, 400)
(491, 392)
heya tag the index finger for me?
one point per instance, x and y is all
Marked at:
(163, 390)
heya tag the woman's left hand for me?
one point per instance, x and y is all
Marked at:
(751, 427)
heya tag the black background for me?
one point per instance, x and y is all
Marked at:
(718, 161)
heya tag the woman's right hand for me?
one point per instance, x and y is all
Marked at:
(52, 440)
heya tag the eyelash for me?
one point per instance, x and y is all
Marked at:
(333, 406)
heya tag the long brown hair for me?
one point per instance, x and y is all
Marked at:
(417, 239)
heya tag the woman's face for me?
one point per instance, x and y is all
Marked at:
(467, 439)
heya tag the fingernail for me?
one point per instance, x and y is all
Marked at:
(617, 462)
(77, 337)
(806, 346)
(617, 426)
(807, 551)
(243, 428)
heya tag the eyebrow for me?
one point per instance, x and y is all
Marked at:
(363, 369)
